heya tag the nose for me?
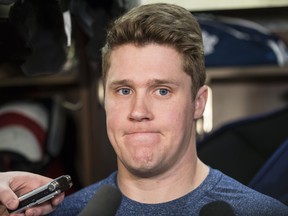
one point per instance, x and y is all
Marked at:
(140, 109)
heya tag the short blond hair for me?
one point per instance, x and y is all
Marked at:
(164, 24)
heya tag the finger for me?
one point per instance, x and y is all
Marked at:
(42, 209)
(58, 199)
(46, 207)
(16, 214)
(3, 211)
(8, 198)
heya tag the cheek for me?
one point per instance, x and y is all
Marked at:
(113, 125)
(169, 122)
(177, 115)
(113, 109)
(113, 117)
(180, 123)
(116, 120)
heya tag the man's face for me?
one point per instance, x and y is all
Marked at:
(149, 108)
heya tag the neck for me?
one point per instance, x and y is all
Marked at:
(183, 178)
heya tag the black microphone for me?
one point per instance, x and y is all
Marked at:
(105, 202)
(217, 208)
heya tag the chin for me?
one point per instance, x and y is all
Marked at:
(144, 171)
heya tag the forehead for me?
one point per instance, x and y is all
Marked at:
(152, 61)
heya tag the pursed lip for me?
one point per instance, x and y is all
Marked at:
(134, 132)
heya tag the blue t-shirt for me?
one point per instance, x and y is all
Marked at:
(216, 187)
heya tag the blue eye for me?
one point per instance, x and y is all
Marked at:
(125, 91)
(163, 91)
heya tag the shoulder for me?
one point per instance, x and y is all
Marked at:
(244, 200)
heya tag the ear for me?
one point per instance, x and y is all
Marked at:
(200, 101)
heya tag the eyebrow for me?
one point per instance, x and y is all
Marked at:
(129, 82)
(120, 82)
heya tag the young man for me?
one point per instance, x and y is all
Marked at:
(154, 75)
